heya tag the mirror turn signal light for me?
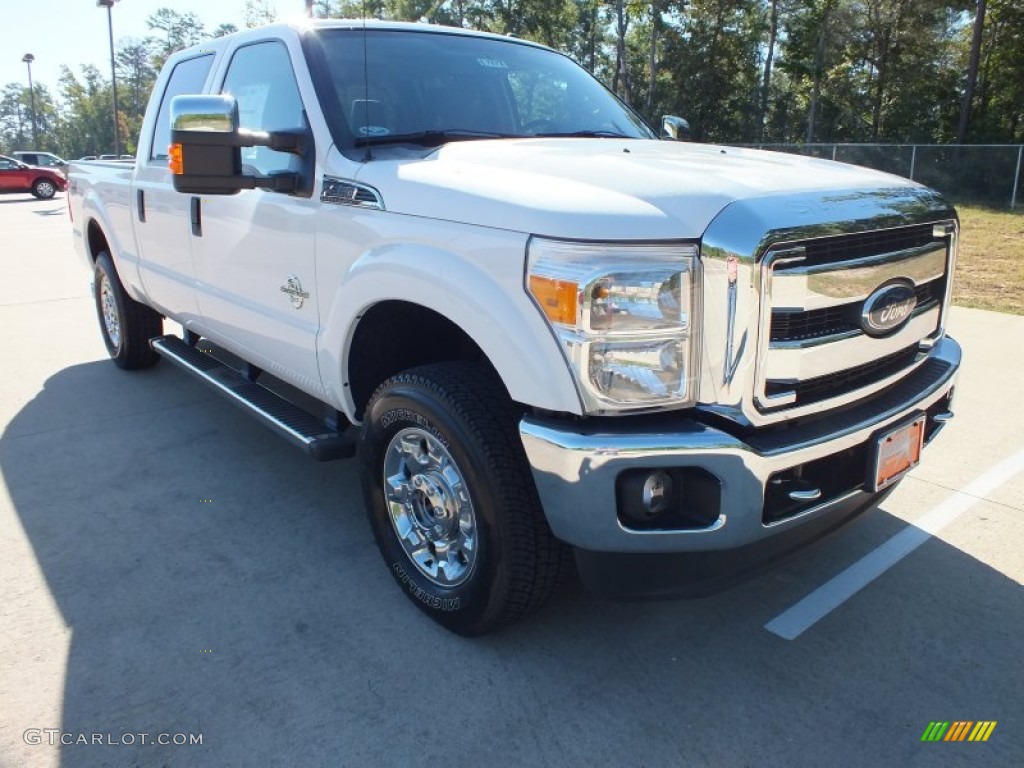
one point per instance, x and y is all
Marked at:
(175, 159)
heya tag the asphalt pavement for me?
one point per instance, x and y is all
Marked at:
(170, 570)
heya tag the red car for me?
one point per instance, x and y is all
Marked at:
(15, 176)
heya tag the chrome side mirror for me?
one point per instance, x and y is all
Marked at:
(675, 128)
(211, 114)
(205, 156)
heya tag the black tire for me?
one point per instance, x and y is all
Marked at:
(44, 189)
(516, 560)
(127, 331)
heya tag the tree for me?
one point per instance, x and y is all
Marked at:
(714, 59)
(87, 127)
(999, 103)
(766, 78)
(15, 124)
(257, 13)
(136, 75)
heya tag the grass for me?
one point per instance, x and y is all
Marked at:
(990, 269)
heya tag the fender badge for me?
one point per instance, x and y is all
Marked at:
(294, 289)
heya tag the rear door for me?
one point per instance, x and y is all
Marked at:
(162, 216)
(255, 254)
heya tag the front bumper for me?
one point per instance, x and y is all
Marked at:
(576, 466)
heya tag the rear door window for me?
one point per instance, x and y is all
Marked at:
(188, 78)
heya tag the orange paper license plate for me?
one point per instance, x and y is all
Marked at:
(897, 452)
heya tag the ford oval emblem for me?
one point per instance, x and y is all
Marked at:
(888, 308)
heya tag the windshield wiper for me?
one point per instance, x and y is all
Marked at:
(585, 135)
(430, 138)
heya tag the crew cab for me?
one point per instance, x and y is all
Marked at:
(546, 332)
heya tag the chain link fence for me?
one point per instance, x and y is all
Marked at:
(983, 174)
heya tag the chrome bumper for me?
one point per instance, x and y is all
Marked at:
(575, 464)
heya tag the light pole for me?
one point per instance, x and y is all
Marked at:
(109, 4)
(28, 58)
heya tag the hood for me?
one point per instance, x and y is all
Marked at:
(599, 189)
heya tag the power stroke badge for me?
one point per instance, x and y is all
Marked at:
(293, 287)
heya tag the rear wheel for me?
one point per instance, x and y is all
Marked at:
(44, 189)
(126, 325)
(452, 501)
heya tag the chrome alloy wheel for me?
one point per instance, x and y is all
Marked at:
(108, 308)
(430, 508)
(46, 189)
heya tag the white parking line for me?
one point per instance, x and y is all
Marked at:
(795, 620)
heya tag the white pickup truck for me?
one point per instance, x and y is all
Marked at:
(548, 331)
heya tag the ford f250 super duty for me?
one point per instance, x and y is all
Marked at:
(545, 331)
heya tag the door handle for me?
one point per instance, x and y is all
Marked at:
(140, 200)
(197, 217)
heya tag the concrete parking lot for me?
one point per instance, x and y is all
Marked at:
(168, 566)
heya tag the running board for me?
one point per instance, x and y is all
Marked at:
(299, 427)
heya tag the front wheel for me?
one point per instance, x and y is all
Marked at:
(44, 189)
(452, 501)
(126, 325)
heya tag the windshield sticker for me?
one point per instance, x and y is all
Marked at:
(373, 130)
(492, 63)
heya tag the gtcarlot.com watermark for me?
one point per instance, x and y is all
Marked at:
(55, 736)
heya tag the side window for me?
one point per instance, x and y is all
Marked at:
(262, 81)
(7, 165)
(188, 78)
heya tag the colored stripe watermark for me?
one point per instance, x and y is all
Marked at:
(959, 730)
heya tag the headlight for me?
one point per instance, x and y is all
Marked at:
(625, 315)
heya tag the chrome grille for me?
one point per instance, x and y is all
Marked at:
(790, 325)
(828, 250)
(828, 386)
(813, 353)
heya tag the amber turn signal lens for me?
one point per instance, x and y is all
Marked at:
(558, 298)
(175, 159)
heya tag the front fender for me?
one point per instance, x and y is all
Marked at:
(477, 283)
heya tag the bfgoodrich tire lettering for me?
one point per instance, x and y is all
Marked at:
(125, 324)
(504, 557)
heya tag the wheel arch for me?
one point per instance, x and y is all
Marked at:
(370, 360)
(456, 311)
(96, 240)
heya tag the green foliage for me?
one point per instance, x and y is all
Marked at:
(16, 118)
(841, 70)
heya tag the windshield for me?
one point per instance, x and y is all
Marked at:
(427, 88)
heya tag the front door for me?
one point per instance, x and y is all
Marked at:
(255, 251)
(12, 177)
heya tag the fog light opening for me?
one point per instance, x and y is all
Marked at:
(666, 499)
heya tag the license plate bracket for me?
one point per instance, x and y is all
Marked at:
(896, 451)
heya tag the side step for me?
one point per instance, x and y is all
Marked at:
(297, 426)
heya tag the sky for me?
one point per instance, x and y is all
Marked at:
(74, 32)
